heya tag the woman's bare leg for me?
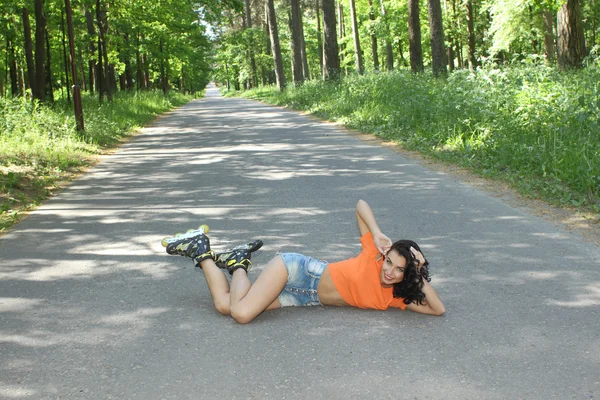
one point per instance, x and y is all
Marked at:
(248, 300)
(245, 301)
(218, 285)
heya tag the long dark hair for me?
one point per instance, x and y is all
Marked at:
(410, 287)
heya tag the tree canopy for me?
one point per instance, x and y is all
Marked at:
(183, 44)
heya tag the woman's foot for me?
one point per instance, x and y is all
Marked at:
(238, 259)
(196, 247)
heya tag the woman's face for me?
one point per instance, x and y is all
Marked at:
(392, 270)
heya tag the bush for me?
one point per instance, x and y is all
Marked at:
(534, 126)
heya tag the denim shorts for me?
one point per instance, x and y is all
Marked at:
(304, 274)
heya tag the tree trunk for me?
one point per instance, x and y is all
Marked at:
(104, 75)
(251, 47)
(305, 69)
(401, 52)
(183, 82)
(296, 30)
(471, 30)
(92, 50)
(129, 75)
(355, 35)
(331, 58)
(163, 75)
(12, 66)
(450, 51)
(414, 36)
(549, 48)
(40, 47)
(373, 38)
(49, 95)
(319, 36)
(81, 68)
(341, 35)
(389, 53)
(65, 62)
(100, 82)
(271, 73)
(28, 50)
(570, 42)
(275, 48)
(436, 33)
(146, 71)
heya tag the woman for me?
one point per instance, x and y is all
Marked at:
(383, 275)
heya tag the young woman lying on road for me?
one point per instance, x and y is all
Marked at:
(383, 275)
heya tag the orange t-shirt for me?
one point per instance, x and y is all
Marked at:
(358, 281)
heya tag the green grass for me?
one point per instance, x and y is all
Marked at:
(535, 127)
(40, 148)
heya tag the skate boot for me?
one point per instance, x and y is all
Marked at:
(236, 260)
(177, 244)
(221, 258)
(195, 247)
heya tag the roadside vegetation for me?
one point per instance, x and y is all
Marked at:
(40, 149)
(533, 126)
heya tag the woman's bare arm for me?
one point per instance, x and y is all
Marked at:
(432, 304)
(366, 222)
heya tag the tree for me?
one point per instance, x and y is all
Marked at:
(389, 55)
(471, 30)
(414, 36)
(549, 49)
(436, 31)
(319, 37)
(296, 28)
(373, 37)
(275, 48)
(28, 50)
(251, 44)
(40, 50)
(331, 58)
(570, 43)
(356, 38)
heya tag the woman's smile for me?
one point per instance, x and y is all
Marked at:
(392, 270)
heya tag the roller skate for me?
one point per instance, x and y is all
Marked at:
(238, 259)
(223, 257)
(193, 244)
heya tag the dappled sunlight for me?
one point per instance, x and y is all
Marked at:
(589, 297)
(552, 235)
(135, 247)
(296, 212)
(499, 218)
(207, 159)
(139, 317)
(117, 328)
(85, 282)
(17, 392)
(18, 304)
(454, 385)
(277, 175)
(548, 275)
(66, 269)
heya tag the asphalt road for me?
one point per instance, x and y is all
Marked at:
(92, 308)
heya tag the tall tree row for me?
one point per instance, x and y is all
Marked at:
(123, 45)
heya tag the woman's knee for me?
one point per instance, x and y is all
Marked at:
(242, 315)
(222, 306)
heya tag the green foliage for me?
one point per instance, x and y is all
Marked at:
(39, 144)
(533, 126)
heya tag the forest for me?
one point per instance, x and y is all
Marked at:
(510, 88)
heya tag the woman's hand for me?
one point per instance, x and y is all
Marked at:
(419, 258)
(382, 242)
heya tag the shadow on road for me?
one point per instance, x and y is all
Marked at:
(90, 303)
